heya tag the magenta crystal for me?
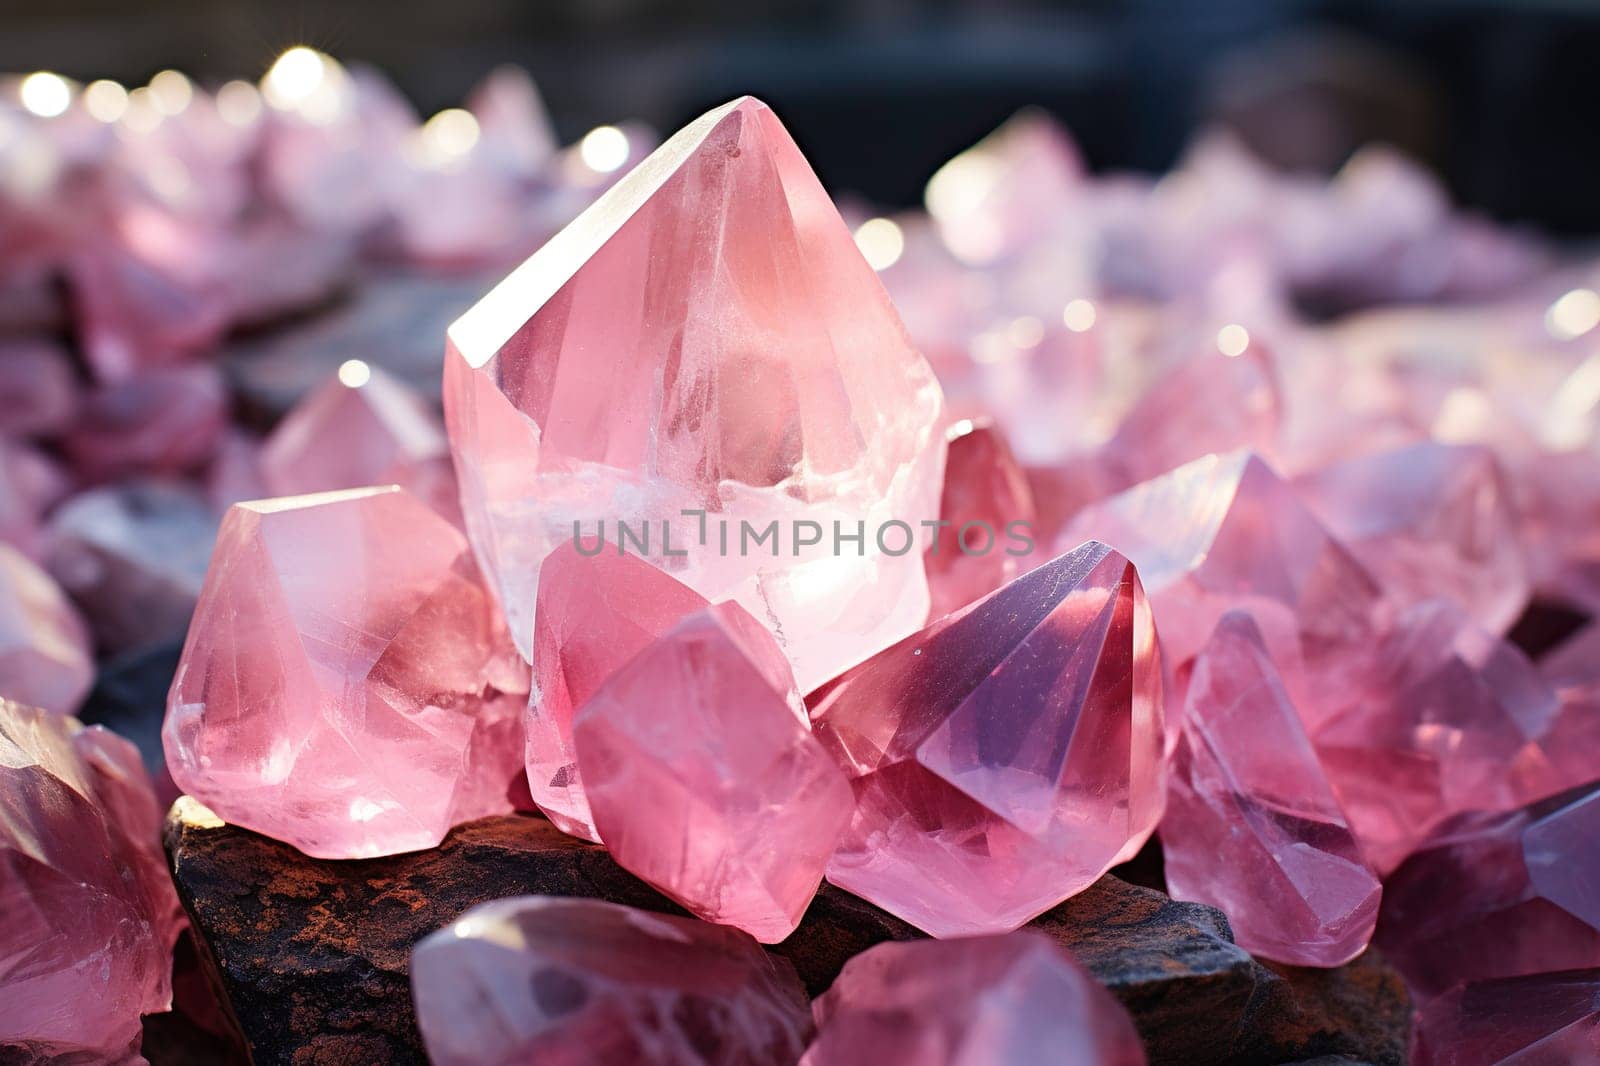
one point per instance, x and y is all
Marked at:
(1545, 1019)
(762, 377)
(1497, 895)
(595, 613)
(1428, 520)
(90, 914)
(1006, 756)
(347, 685)
(704, 779)
(1252, 826)
(44, 646)
(987, 535)
(546, 979)
(1013, 998)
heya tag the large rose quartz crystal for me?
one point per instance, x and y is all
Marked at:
(90, 914)
(1014, 998)
(1498, 895)
(546, 979)
(1006, 756)
(705, 338)
(1428, 520)
(347, 686)
(1252, 826)
(361, 427)
(44, 646)
(595, 613)
(703, 776)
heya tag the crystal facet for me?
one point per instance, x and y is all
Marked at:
(986, 512)
(704, 779)
(44, 646)
(1007, 755)
(635, 368)
(1014, 998)
(1252, 826)
(347, 686)
(546, 979)
(90, 914)
(1545, 1019)
(595, 613)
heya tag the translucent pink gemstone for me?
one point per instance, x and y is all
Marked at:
(632, 369)
(1428, 520)
(361, 427)
(1006, 756)
(235, 471)
(44, 646)
(1012, 998)
(133, 556)
(1252, 826)
(595, 613)
(1225, 533)
(1497, 895)
(703, 776)
(347, 686)
(1546, 1019)
(164, 421)
(990, 537)
(1453, 719)
(514, 126)
(90, 915)
(30, 484)
(548, 979)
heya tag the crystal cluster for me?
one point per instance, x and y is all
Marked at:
(948, 559)
(90, 914)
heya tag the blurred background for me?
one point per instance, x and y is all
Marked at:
(1494, 94)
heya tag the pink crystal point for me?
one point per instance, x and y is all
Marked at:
(1013, 998)
(347, 686)
(1453, 719)
(633, 369)
(1546, 1019)
(703, 776)
(595, 613)
(1428, 520)
(990, 536)
(44, 646)
(1007, 755)
(1252, 826)
(549, 979)
(90, 914)
(1225, 533)
(1497, 895)
(361, 427)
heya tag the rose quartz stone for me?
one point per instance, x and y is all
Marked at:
(633, 369)
(1252, 826)
(30, 484)
(45, 658)
(1012, 998)
(1428, 520)
(990, 537)
(1007, 755)
(38, 390)
(1546, 1019)
(165, 421)
(371, 429)
(558, 980)
(347, 686)
(90, 914)
(1452, 719)
(1225, 533)
(596, 612)
(704, 779)
(1497, 895)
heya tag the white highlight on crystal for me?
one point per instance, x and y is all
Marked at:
(604, 149)
(142, 114)
(238, 103)
(353, 373)
(1232, 340)
(1025, 332)
(294, 77)
(106, 101)
(445, 139)
(172, 92)
(45, 94)
(1573, 315)
(881, 242)
(1078, 316)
